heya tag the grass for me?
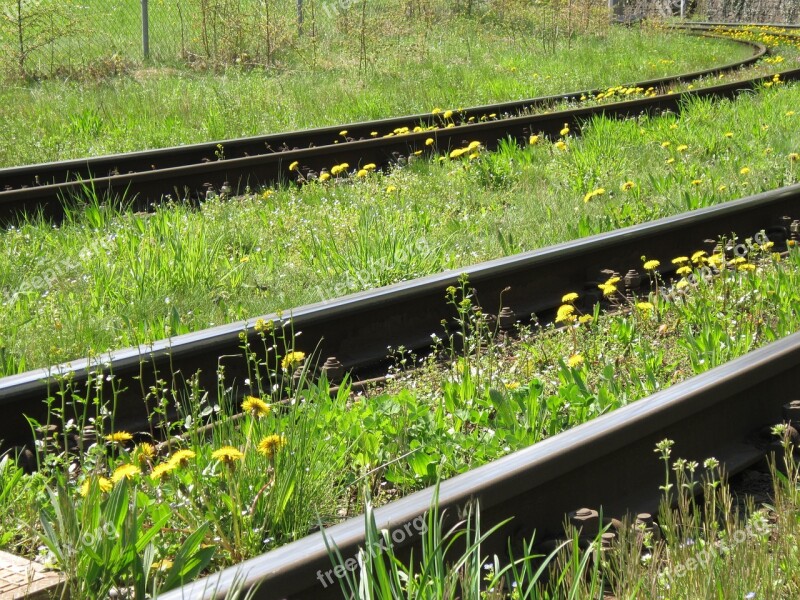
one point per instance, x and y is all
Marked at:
(108, 279)
(266, 478)
(472, 62)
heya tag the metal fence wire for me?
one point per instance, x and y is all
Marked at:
(54, 37)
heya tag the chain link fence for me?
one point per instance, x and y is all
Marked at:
(46, 38)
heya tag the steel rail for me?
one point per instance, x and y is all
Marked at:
(162, 158)
(358, 328)
(607, 463)
(189, 171)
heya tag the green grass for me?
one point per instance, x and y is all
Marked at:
(106, 280)
(266, 478)
(471, 63)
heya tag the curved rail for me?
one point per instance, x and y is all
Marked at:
(607, 463)
(189, 171)
(358, 328)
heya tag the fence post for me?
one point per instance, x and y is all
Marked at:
(145, 30)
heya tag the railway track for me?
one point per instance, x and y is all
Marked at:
(145, 178)
(606, 464)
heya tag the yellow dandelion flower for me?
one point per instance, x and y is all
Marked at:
(684, 270)
(429, 142)
(119, 437)
(716, 259)
(746, 267)
(391, 188)
(473, 145)
(561, 145)
(292, 360)
(271, 444)
(680, 260)
(628, 185)
(373, 134)
(370, 167)
(744, 170)
(343, 132)
(682, 284)
(697, 181)
(574, 361)
(324, 176)
(608, 289)
(666, 144)
(227, 455)
(533, 140)
(448, 114)
(729, 134)
(145, 452)
(255, 406)
(669, 161)
(126, 471)
(613, 280)
(457, 152)
(512, 385)
(682, 148)
(583, 319)
(565, 313)
(436, 111)
(362, 173)
(738, 260)
(789, 113)
(645, 306)
(103, 484)
(336, 170)
(722, 188)
(182, 457)
(699, 256)
(160, 471)
(651, 265)
(793, 156)
(570, 297)
(294, 165)
(565, 130)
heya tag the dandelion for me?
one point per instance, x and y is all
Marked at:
(722, 188)
(370, 167)
(613, 280)
(699, 256)
(457, 152)
(336, 170)
(391, 188)
(669, 161)
(571, 297)
(533, 140)
(681, 284)
(593, 194)
(678, 260)
(682, 148)
(512, 385)
(103, 484)
(651, 265)
(182, 457)
(628, 185)
(362, 173)
(429, 142)
(666, 144)
(324, 176)
(373, 134)
(473, 145)
(159, 472)
(145, 452)
(294, 165)
(561, 145)
(697, 181)
(744, 170)
(583, 319)
(436, 111)
(746, 267)
(608, 289)
(684, 270)
(448, 114)
(227, 455)
(645, 306)
(271, 444)
(574, 361)
(343, 132)
(565, 130)
(565, 314)
(255, 406)
(292, 360)
(126, 471)
(794, 156)
(119, 437)
(729, 134)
